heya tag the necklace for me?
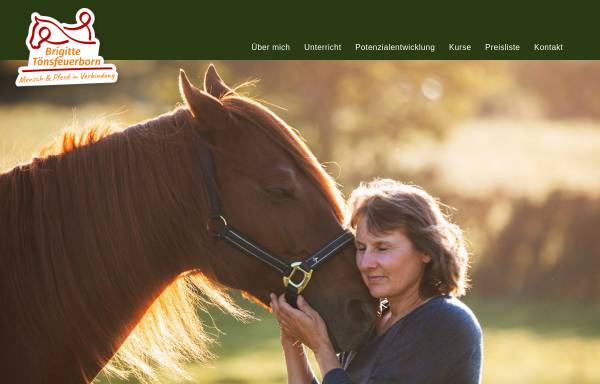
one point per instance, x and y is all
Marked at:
(387, 318)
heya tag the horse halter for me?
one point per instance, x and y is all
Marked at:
(296, 275)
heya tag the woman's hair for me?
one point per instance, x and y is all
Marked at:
(389, 205)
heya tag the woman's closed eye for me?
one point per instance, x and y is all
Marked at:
(362, 248)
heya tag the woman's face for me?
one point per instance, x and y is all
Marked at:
(389, 264)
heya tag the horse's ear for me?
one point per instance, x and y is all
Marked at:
(202, 105)
(214, 85)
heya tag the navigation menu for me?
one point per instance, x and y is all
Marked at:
(403, 50)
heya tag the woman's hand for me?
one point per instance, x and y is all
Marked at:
(298, 367)
(287, 339)
(306, 326)
(303, 324)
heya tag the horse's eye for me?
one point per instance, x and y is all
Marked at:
(280, 193)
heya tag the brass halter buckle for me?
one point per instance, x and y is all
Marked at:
(287, 280)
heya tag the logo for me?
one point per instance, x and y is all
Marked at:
(64, 53)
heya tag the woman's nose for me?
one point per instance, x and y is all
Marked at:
(367, 260)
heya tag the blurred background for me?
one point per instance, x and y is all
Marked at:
(514, 147)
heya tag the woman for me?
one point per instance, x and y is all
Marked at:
(414, 260)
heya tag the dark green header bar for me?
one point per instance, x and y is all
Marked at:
(303, 30)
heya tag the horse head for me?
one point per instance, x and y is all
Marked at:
(273, 190)
(40, 33)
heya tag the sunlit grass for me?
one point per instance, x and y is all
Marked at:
(521, 355)
(530, 342)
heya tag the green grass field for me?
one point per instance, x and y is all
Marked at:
(523, 343)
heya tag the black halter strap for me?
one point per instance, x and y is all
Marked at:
(296, 275)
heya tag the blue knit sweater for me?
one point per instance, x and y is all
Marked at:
(438, 342)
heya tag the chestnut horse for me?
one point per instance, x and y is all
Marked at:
(105, 252)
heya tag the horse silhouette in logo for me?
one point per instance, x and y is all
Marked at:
(47, 30)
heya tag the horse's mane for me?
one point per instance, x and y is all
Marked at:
(170, 332)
